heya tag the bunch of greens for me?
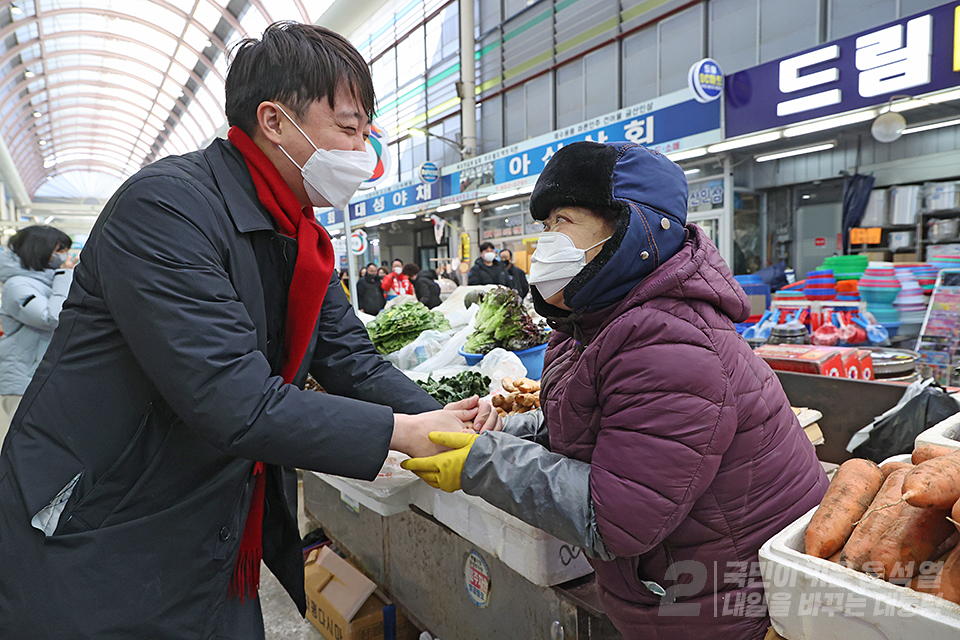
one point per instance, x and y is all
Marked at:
(453, 388)
(398, 326)
(502, 321)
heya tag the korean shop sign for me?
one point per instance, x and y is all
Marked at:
(912, 56)
(410, 196)
(667, 124)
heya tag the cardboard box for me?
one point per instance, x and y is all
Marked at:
(825, 361)
(851, 362)
(879, 256)
(866, 364)
(342, 603)
(905, 257)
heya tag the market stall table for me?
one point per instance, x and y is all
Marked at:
(445, 583)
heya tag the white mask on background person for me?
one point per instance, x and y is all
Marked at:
(397, 270)
(489, 256)
(556, 261)
(331, 175)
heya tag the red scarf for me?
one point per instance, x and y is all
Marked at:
(311, 274)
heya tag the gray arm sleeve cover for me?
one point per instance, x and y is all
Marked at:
(528, 426)
(546, 490)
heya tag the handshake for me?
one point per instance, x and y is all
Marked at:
(438, 442)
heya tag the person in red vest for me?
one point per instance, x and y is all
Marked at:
(152, 463)
(397, 282)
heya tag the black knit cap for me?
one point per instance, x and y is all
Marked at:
(578, 175)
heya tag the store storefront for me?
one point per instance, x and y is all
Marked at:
(797, 126)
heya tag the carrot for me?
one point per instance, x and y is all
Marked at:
(857, 549)
(927, 580)
(929, 451)
(890, 467)
(848, 496)
(910, 540)
(947, 583)
(934, 484)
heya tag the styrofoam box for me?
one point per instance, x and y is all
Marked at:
(536, 555)
(813, 599)
(945, 433)
(877, 212)
(385, 505)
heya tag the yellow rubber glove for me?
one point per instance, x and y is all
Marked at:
(443, 470)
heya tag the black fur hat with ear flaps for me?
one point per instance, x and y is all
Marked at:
(650, 194)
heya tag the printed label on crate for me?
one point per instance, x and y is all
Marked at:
(477, 580)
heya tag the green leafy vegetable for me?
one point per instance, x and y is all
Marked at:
(398, 326)
(453, 388)
(502, 321)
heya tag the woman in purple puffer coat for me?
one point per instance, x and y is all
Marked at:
(670, 452)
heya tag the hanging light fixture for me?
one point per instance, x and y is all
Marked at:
(889, 125)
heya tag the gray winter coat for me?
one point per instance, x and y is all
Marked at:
(29, 307)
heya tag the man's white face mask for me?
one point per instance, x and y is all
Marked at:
(556, 261)
(331, 176)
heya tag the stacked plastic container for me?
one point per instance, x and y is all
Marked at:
(846, 267)
(879, 288)
(820, 285)
(910, 302)
(945, 262)
(927, 277)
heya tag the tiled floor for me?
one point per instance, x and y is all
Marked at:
(281, 620)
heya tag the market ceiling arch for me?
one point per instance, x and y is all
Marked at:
(110, 85)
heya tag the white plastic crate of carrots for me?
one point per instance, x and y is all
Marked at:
(898, 521)
(520, 396)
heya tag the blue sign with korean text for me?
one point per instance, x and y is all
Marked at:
(912, 56)
(705, 80)
(399, 198)
(663, 129)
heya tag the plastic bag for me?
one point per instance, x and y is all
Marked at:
(391, 479)
(448, 354)
(426, 346)
(500, 364)
(894, 432)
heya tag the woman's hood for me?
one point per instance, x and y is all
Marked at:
(11, 265)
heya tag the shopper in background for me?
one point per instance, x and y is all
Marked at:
(382, 273)
(450, 274)
(516, 278)
(153, 461)
(675, 453)
(396, 283)
(369, 293)
(428, 291)
(487, 269)
(36, 273)
(345, 282)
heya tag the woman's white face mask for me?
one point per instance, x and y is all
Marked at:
(331, 176)
(556, 261)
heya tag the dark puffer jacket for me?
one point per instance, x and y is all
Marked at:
(696, 456)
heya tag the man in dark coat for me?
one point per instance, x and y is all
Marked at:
(369, 294)
(516, 278)
(152, 461)
(487, 270)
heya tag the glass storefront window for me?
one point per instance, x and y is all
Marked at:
(507, 221)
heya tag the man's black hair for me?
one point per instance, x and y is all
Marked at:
(371, 265)
(396, 260)
(508, 251)
(36, 243)
(296, 64)
(486, 245)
